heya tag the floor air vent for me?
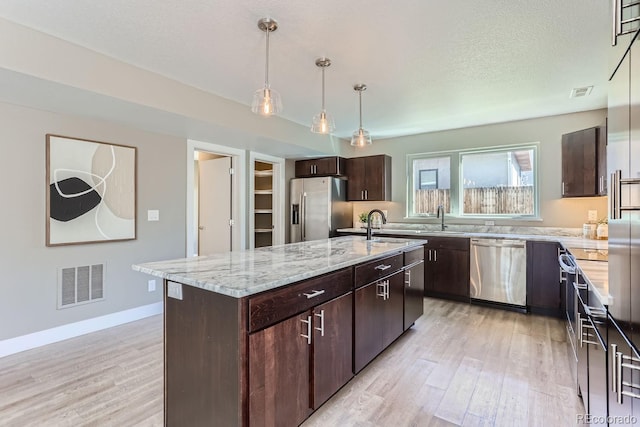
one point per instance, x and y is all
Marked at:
(80, 285)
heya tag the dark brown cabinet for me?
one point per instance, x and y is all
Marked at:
(447, 268)
(325, 166)
(413, 286)
(333, 347)
(282, 356)
(584, 163)
(369, 178)
(378, 317)
(279, 373)
(544, 291)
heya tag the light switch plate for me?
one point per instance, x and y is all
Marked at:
(153, 215)
(151, 285)
(489, 223)
(174, 290)
(592, 215)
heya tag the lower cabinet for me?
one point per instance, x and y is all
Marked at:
(279, 373)
(413, 286)
(447, 268)
(297, 364)
(544, 289)
(379, 317)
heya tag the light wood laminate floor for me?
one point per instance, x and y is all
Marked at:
(460, 365)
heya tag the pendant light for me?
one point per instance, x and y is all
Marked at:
(361, 137)
(322, 122)
(266, 101)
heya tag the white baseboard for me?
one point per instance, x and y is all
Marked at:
(60, 333)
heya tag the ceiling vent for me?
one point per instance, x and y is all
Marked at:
(577, 92)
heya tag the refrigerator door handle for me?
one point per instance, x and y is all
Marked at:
(303, 216)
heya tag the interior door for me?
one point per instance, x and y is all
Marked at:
(214, 206)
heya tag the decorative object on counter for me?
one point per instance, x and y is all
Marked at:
(322, 122)
(362, 218)
(602, 231)
(266, 101)
(360, 137)
(91, 191)
(589, 230)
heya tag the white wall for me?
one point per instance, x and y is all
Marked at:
(29, 268)
(555, 211)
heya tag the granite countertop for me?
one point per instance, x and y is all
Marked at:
(525, 233)
(242, 273)
(596, 274)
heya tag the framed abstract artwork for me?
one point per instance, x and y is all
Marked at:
(91, 191)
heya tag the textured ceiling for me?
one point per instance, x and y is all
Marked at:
(428, 65)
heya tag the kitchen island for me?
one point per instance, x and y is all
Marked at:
(265, 336)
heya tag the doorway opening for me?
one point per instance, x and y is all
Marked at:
(215, 199)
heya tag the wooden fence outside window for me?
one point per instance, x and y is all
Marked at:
(481, 200)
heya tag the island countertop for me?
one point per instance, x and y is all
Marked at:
(242, 273)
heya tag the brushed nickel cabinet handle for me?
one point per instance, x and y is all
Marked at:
(407, 274)
(614, 370)
(383, 267)
(313, 293)
(321, 328)
(380, 290)
(308, 336)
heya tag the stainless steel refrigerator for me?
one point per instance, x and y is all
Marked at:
(318, 208)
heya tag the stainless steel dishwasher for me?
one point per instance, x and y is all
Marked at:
(499, 271)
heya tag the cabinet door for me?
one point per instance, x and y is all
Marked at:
(543, 278)
(618, 344)
(328, 166)
(449, 272)
(602, 161)
(356, 178)
(413, 294)
(579, 166)
(279, 373)
(332, 347)
(375, 176)
(304, 168)
(393, 317)
(368, 324)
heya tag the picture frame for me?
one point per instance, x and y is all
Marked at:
(90, 191)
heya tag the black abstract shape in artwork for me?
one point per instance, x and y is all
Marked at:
(68, 208)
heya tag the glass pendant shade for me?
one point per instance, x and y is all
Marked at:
(266, 101)
(360, 138)
(323, 123)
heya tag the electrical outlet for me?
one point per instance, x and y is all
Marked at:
(174, 290)
(151, 285)
(489, 223)
(592, 215)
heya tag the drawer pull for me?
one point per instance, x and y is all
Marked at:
(383, 267)
(313, 294)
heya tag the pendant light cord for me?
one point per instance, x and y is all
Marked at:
(360, 97)
(266, 65)
(323, 89)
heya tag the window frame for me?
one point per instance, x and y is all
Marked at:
(456, 191)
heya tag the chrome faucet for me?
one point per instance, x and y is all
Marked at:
(441, 209)
(384, 221)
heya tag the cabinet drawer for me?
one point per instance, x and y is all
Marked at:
(414, 255)
(381, 267)
(460, 243)
(272, 306)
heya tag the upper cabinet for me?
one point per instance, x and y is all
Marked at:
(625, 18)
(369, 178)
(325, 166)
(584, 163)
